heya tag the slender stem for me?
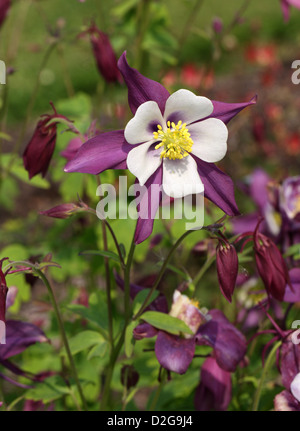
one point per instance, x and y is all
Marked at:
(63, 335)
(203, 269)
(266, 368)
(238, 15)
(143, 15)
(127, 282)
(189, 22)
(158, 392)
(117, 349)
(31, 105)
(108, 284)
(161, 273)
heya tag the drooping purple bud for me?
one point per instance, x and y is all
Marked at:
(227, 268)
(4, 7)
(104, 55)
(129, 376)
(214, 391)
(62, 211)
(217, 25)
(270, 265)
(39, 151)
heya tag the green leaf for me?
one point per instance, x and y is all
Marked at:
(141, 297)
(293, 250)
(129, 340)
(49, 390)
(166, 323)
(108, 254)
(99, 350)
(21, 173)
(83, 341)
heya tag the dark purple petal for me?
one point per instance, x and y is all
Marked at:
(140, 88)
(144, 330)
(105, 151)
(19, 336)
(290, 361)
(13, 382)
(148, 206)
(218, 187)
(285, 402)
(229, 343)
(4, 7)
(226, 111)
(214, 391)
(293, 296)
(173, 352)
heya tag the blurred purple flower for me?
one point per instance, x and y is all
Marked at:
(176, 353)
(217, 25)
(39, 151)
(289, 400)
(19, 335)
(141, 147)
(4, 7)
(285, 7)
(214, 390)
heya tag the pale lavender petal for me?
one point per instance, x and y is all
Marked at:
(173, 352)
(140, 88)
(218, 187)
(258, 188)
(293, 295)
(73, 146)
(148, 206)
(285, 7)
(105, 151)
(245, 223)
(226, 111)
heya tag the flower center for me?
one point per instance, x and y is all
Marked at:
(176, 141)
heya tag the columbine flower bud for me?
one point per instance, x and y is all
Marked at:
(3, 292)
(187, 310)
(4, 7)
(217, 25)
(104, 55)
(39, 151)
(227, 268)
(62, 211)
(129, 376)
(270, 265)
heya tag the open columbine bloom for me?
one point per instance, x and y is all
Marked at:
(172, 141)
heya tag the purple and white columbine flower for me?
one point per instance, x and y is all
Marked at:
(172, 141)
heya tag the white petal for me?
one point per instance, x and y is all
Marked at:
(210, 139)
(143, 161)
(181, 178)
(186, 106)
(295, 387)
(141, 127)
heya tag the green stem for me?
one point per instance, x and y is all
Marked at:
(161, 273)
(63, 335)
(117, 349)
(143, 15)
(266, 369)
(203, 269)
(189, 23)
(158, 392)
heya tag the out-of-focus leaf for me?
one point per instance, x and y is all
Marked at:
(83, 341)
(165, 322)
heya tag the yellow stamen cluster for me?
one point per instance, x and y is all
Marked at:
(176, 141)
